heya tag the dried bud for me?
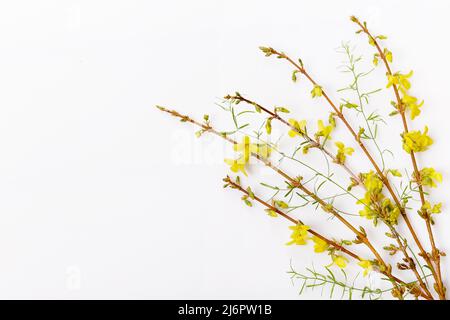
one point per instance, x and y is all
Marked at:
(354, 19)
(267, 51)
(402, 266)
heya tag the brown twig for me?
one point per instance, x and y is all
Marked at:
(435, 254)
(310, 140)
(294, 221)
(331, 243)
(395, 233)
(380, 173)
(362, 237)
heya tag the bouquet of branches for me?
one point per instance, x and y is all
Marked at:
(380, 202)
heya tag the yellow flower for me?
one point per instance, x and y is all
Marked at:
(332, 120)
(372, 182)
(388, 55)
(236, 165)
(340, 261)
(271, 213)
(323, 131)
(429, 177)
(390, 211)
(374, 186)
(400, 80)
(367, 213)
(319, 244)
(426, 207)
(299, 234)
(411, 103)
(342, 152)
(375, 59)
(281, 204)
(415, 109)
(366, 265)
(244, 147)
(437, 208)
(416, 141)
(299, 126)
(391, 80)
(316, 91)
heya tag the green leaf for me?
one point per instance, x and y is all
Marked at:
(257, 107)
(271, 213)
(250, 193)
(281, 204)
(281, 109)
(395, 172)
(351, 105)
(269, 126)
(294, 75)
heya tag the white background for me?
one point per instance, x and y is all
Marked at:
(102, 196)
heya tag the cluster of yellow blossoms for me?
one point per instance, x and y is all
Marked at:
(300, 127)
(343, 151)
(319, 245)
(316, 91)
(338, 260)
(401, 81)
(376, 56)
(416, 141)
(366, 265)
(429, 177)
(342, 261)
(411, 103)
(300, 237)
(247, 148)
(427, 207)
(323, 130)
(376, 205)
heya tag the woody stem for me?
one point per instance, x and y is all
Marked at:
(380, 173)
(295, 183)
(395, 233)
(315, 144)
(294, 221)
(361, 236)
(401, 109)
(331, 243)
